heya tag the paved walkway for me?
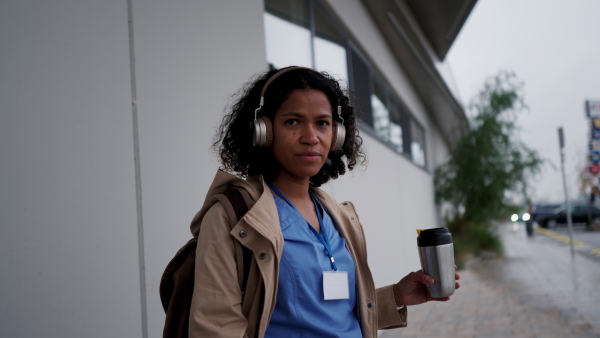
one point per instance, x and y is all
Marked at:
(536, 290)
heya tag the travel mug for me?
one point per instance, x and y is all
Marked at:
(436, 253)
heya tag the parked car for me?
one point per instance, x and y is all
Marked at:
(540, 211)
(579, 214)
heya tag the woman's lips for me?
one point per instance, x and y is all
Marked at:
(310, 155)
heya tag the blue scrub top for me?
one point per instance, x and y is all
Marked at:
(300, 308)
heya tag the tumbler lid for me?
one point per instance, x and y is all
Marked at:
(434, 237)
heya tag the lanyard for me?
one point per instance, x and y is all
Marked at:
(323, 239)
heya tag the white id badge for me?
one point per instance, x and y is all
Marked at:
(335, 285)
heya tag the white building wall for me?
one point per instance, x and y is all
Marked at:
(69, 240)
(191, 57)
(68, 233)
(68, 223)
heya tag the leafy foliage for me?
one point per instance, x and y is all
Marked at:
(489, 165)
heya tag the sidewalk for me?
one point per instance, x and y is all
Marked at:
(536, 290)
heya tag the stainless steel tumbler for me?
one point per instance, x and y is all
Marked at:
(436, 252)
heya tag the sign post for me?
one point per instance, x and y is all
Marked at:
(592, 108)
(561, 142)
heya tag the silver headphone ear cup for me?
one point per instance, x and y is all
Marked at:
(262, 132)
(268, 132)
(258, 132)
(339, 136)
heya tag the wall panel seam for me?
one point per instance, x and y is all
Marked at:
(138, 180)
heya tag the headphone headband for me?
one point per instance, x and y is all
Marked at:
(278, 74)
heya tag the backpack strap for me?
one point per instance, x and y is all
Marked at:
(243, 254)
(177, 282)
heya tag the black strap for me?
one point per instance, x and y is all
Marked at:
(237, 202)
(240, 207)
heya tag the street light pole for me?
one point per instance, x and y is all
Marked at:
(561, 141)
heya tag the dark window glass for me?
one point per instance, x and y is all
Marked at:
(325, 29)
(287, 33)
(406, 135)
(381, 112)
(294, 11)
(329, 48)
(417, 146)
(360, 84)
(396, 123)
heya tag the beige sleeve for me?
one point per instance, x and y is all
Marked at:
(388, 317)
(216, 303)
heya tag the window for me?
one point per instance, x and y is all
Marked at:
(385, 113)
(396, 123)
(381, 113)
(329, 47)
(360, 83)
(417, 144)
(303, 33)
(299, 32)
(287, 22)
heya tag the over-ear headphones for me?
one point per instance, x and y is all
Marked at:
(262, 128)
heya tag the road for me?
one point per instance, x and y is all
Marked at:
(585, 243)
(538, 289)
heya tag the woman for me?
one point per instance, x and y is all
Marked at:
(309, 274)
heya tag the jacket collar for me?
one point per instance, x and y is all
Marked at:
(222, 182)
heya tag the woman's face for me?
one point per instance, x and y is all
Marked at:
(302, 134)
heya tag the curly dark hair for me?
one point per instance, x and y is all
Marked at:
(233, 140)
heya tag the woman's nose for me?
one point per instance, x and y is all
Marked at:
(309, 135)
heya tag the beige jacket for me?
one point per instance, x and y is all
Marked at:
(217, 308)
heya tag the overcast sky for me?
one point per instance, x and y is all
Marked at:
(553, 46)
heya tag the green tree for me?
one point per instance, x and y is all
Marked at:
(487, 169)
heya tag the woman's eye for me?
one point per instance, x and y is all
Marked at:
(292, 122)
(323, 123)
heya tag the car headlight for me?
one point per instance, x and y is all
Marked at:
(514, 217)
(526, 217)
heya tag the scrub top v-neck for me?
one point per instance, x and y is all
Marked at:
(300, 308)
